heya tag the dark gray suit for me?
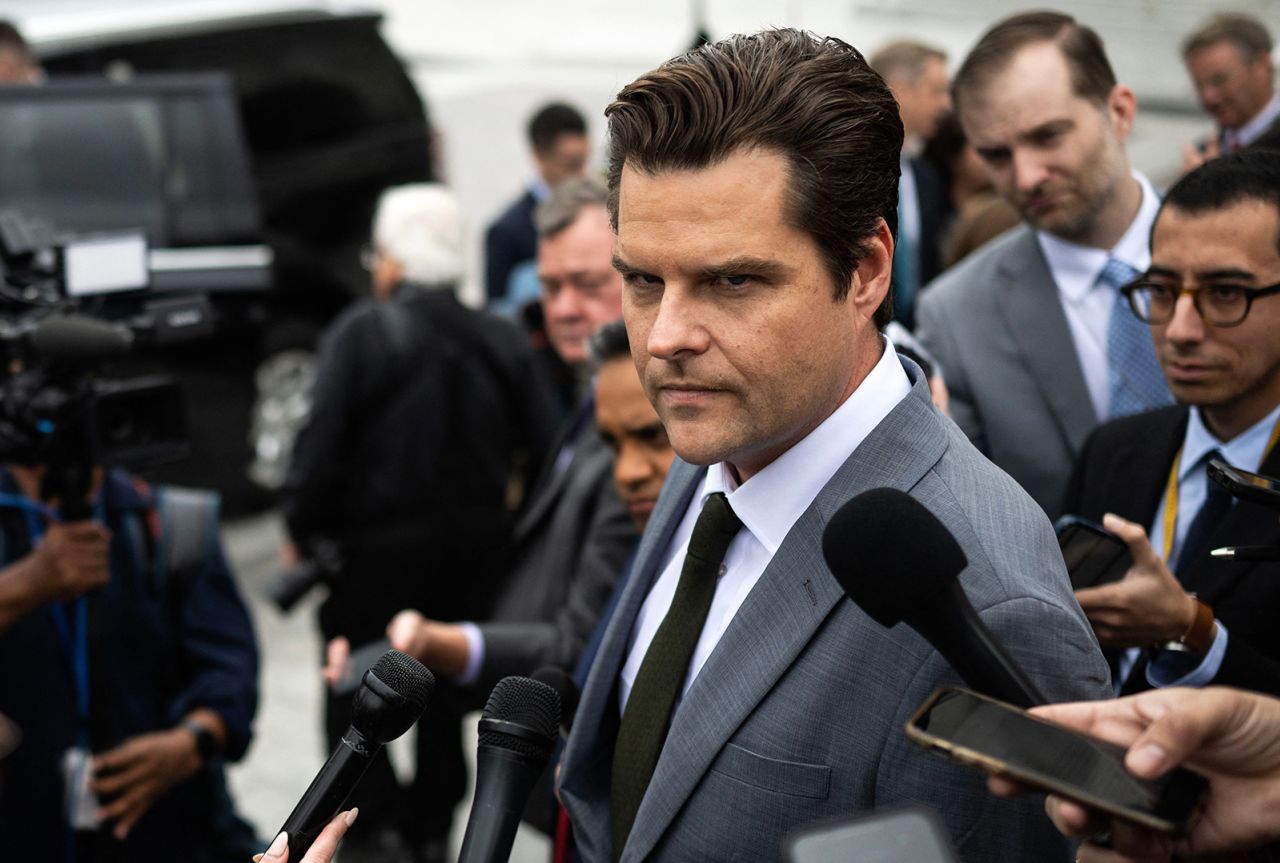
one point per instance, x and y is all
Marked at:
(797, 715)
(571, 545)
(996, 326)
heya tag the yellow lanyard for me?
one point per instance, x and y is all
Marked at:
(1171, 493)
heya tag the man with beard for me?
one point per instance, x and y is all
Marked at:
(1032, 333)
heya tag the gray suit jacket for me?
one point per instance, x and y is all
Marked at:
(798, 713)
(571, 544)
(996, 326)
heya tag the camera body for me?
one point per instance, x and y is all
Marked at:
(69, 306)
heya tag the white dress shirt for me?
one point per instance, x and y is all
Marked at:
(768, 504)
(1246, 450)
(1087, 304)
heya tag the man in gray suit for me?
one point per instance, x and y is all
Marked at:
(737, 695)
(1034, 339)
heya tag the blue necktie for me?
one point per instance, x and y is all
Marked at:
(1133, 374)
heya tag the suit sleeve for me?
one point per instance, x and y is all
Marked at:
(939, 340)
(217, 652)
(519, 648)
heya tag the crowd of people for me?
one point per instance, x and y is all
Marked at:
(805, 274)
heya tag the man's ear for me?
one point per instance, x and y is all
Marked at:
(1122, 109)
(870, 283)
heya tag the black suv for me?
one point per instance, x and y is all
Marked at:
(270, 219)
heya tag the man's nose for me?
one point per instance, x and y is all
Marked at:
(677, 328)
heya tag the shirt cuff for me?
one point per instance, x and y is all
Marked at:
(475, 653)
(1171, 668)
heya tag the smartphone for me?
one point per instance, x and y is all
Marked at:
(361, 660)
(912, 835)
(1004, 740)
(1253, 487)
(1094, 555)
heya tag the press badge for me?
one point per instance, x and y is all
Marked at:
(81, 801)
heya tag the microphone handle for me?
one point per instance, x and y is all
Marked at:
(983, 663)
(504, 781)
(330, 789)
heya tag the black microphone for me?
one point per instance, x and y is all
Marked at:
(899, 563)
(391, 698)
(562, 682)
(517, 732)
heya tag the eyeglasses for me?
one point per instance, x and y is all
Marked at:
(1220, 305)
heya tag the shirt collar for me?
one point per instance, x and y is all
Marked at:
(1252, 131)
(1246, 450)
(774, 499)
(1076, 268)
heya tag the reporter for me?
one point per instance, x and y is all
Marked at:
(1230, 736)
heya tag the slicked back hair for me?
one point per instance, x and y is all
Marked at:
(1248, 175)
(1092, 77)
(812, 100)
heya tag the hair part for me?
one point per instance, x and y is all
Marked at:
(420, 226)
(562, 206)
(551, 121)
(904, 60)
(609, 343)
(1248, 34)
(812, 100)
(1092, 77)
(1248, 175)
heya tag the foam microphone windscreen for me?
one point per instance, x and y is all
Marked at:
(404, 685)
(890, 554)
(565, 687)
(526, 703)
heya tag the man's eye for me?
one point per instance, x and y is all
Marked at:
(735, 281)
(1224, 293)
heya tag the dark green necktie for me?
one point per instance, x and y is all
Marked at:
(662, 673)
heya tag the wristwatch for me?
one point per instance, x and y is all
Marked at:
(1199, 635)
(207, 745)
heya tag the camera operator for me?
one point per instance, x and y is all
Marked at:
(131, 669)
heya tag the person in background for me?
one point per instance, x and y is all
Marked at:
(18, 63)
(1032, 333)
(917, 75)
(1229, 60)
(426, 415)
(558, 139)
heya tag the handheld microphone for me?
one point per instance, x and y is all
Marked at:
(565, 687)
(517, 732)
(899, 563)
(391, 698)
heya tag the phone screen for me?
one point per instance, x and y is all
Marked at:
(914, 835)
(1093, 555)
(1002, 739)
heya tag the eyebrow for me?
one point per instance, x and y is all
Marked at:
(1206, 275)
(735, 266)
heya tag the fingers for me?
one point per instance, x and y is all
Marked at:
(277, 851)
(337, 653)
(1072, 819)
(1135, 537)
(403, 630)
(322, 850)
(1002, 787)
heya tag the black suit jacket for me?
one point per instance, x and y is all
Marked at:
(510, 240)
(935, 209)
(1124, 469)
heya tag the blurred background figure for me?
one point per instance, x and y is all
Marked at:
(18, 65)
(978, 213)
(1229, 60)
(558, 141)
(426, 415)
(917, 75)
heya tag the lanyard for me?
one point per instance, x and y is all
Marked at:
(1171, 493)
(73, 634)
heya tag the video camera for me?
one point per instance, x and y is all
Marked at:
(68, 305)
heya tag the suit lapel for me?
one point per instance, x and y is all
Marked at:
(1033, 314)
(550, 484)
(1140, 467)
(1246, 524)
(793, 597)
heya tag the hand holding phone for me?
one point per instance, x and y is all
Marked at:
(1005, 741)
(1093, 555)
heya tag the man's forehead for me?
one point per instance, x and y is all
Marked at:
(1241, 235)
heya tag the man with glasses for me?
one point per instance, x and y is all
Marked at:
(1181, 616)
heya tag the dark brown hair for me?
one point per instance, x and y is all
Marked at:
(1247, 33)
(813, 100)
(1091, 75)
